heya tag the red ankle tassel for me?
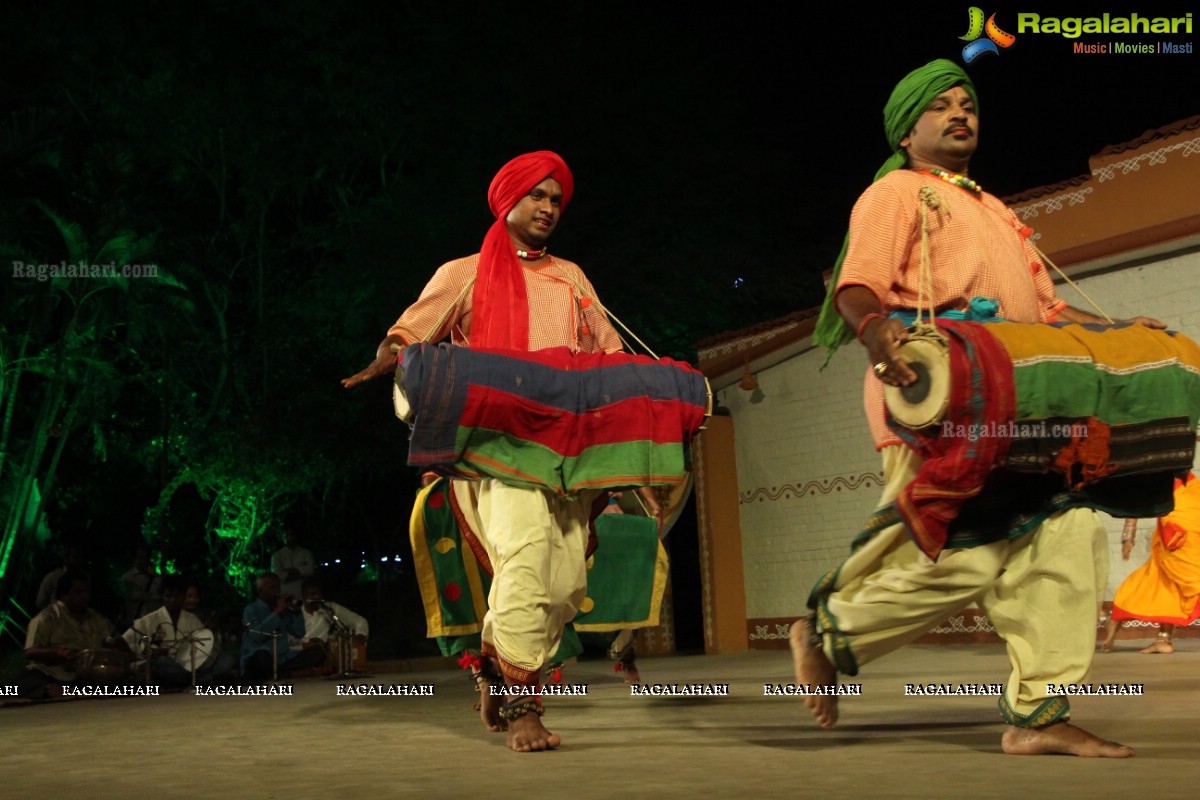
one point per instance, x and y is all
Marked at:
(470, 661)
(556, 676)
(618, 667)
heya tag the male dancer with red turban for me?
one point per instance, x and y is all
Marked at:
(513, 294)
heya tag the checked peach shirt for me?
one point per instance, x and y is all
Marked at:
(562, 308)
(977, 248)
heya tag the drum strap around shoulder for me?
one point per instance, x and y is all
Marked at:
(612, 316)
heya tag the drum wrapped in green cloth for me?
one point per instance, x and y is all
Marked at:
(1018, 421)
(627, 573)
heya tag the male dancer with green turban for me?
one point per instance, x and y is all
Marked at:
(1040, 590)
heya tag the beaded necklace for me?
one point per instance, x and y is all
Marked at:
(961, 181)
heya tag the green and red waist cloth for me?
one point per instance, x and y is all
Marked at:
(552, 418)
(1044, 417)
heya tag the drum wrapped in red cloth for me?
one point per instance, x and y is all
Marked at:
(552, 418)
(1036, 418)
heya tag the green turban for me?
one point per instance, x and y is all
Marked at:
(908, 102)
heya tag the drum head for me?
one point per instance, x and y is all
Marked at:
(924, 403)
(203, 643)
(400, 400)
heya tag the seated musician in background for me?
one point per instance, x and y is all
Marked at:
(319, 613)
(322, 618)
(513, 294)
(267, 622)
(58, 634)
(224, 624)
(73, 557)
(1039, 588)
(192, 603)
(173, 640)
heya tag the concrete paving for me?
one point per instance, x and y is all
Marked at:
(316, 744)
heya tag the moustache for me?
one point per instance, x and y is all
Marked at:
(957, 127)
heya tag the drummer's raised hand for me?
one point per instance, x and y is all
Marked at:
(384, 363)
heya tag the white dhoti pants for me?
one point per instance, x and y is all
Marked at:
(1040, 590)
(536, 542)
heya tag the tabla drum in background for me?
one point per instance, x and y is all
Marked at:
(334, 653)
(200, 649)
(358, 651)
(101, 666)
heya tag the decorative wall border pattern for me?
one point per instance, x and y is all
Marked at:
(763, 632)
(820, 486)
(1054, 203)
(1153, 158)
(958, 624)
(709, 353)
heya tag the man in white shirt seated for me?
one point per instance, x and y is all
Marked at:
(324, 621)
(174, 641)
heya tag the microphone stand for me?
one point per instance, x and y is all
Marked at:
(345, 640)
(274, 651)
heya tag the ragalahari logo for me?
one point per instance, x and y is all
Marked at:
(977, 46)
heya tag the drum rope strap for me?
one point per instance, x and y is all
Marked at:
(1072, 283)
(445, 315)
(924, 325)
(613, 317)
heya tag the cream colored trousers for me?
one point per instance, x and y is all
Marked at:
(536, 542)
(1041, 591)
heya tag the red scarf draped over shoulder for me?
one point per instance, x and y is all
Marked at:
(500, 306)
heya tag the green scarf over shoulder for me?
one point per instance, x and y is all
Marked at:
(908, 102)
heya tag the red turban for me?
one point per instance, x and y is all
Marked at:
(500, 307)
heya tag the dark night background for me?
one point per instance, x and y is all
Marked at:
(298, 170)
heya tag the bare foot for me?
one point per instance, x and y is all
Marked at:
(527, 734)
(1059, 738)
(1110, 634)
(489, 707)
(630, 672)
(1163, 646)
(813, 669)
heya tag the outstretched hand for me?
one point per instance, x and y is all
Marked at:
(384, 363)
(1149, 322)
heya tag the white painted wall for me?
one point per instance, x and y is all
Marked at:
(804, 454)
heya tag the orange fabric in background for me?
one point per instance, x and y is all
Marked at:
(1166, 589)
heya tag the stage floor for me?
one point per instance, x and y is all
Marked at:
(316, 744)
